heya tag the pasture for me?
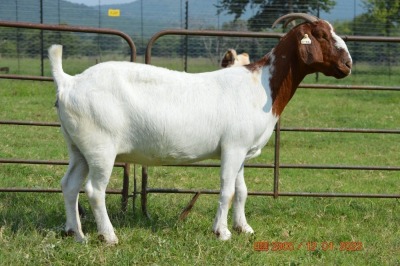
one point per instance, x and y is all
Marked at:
(298, 230)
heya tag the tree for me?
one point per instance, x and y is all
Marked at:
(384, 12)
(269, 10)
(216, 47)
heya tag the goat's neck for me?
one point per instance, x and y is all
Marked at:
(287, 73)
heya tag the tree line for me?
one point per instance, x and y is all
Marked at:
(381, 19)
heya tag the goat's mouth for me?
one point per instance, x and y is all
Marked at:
(342, 71)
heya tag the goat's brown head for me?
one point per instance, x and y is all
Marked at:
(319, 48)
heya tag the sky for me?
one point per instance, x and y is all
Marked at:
(344, 9)
(102, 2)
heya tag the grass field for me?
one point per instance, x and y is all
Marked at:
(298, 230)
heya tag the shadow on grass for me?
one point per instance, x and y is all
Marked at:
(34, 212)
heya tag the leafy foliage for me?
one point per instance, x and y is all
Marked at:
(383, 12)
(269, 10)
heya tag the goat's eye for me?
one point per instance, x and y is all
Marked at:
(323, 35)
(320, 35)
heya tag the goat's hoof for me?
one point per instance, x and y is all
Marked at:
(109, 240)
(223, 234)
(68, 233)
(244, 229)
(82, 240)
(78, 237)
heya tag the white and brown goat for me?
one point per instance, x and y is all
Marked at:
(231, 58)
(120, 111)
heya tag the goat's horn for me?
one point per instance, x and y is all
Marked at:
(292, 16)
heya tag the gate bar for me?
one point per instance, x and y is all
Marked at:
(38, 26)
(272, 194)
(276, 164)
(124, 192)
(28, 25)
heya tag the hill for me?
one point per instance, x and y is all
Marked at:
(140, 18)
(137, 18)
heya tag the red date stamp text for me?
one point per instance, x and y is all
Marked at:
(309, 246)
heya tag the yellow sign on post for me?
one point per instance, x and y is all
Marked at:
(114, 12)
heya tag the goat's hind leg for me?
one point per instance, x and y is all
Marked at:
(100, 169)
(71, 184)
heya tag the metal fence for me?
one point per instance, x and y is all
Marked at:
(141, 19)
(276, 166)
(125, 189)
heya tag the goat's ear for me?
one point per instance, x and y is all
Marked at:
(309, 49)
(228, 59)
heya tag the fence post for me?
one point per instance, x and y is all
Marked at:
(276, 159)
(144, 191)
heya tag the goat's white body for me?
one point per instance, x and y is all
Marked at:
(152, 122)
(153, 116)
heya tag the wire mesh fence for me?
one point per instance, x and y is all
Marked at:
(22, 51)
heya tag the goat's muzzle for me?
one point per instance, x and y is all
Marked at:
(343, 65)
(343, 69)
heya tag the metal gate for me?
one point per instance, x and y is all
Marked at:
(278, 129)
(126, 167)
(275, 192)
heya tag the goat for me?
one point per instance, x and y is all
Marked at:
(231, 58)
(137, 113)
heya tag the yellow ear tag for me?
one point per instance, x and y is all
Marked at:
(306, 39)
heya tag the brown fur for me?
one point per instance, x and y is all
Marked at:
(231, 57)
(293, 61)
(227, 59)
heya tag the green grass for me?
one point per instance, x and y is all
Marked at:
(31, 224)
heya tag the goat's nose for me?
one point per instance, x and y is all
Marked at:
(349, 64)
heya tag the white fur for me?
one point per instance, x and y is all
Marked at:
(242, 59)
(340, 44)
(238, 60)
(153, 116)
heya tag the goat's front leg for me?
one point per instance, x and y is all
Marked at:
(239, 218)
(71, 184)
(99, 175)
(231, 163)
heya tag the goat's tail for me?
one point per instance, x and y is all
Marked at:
(55, 55)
